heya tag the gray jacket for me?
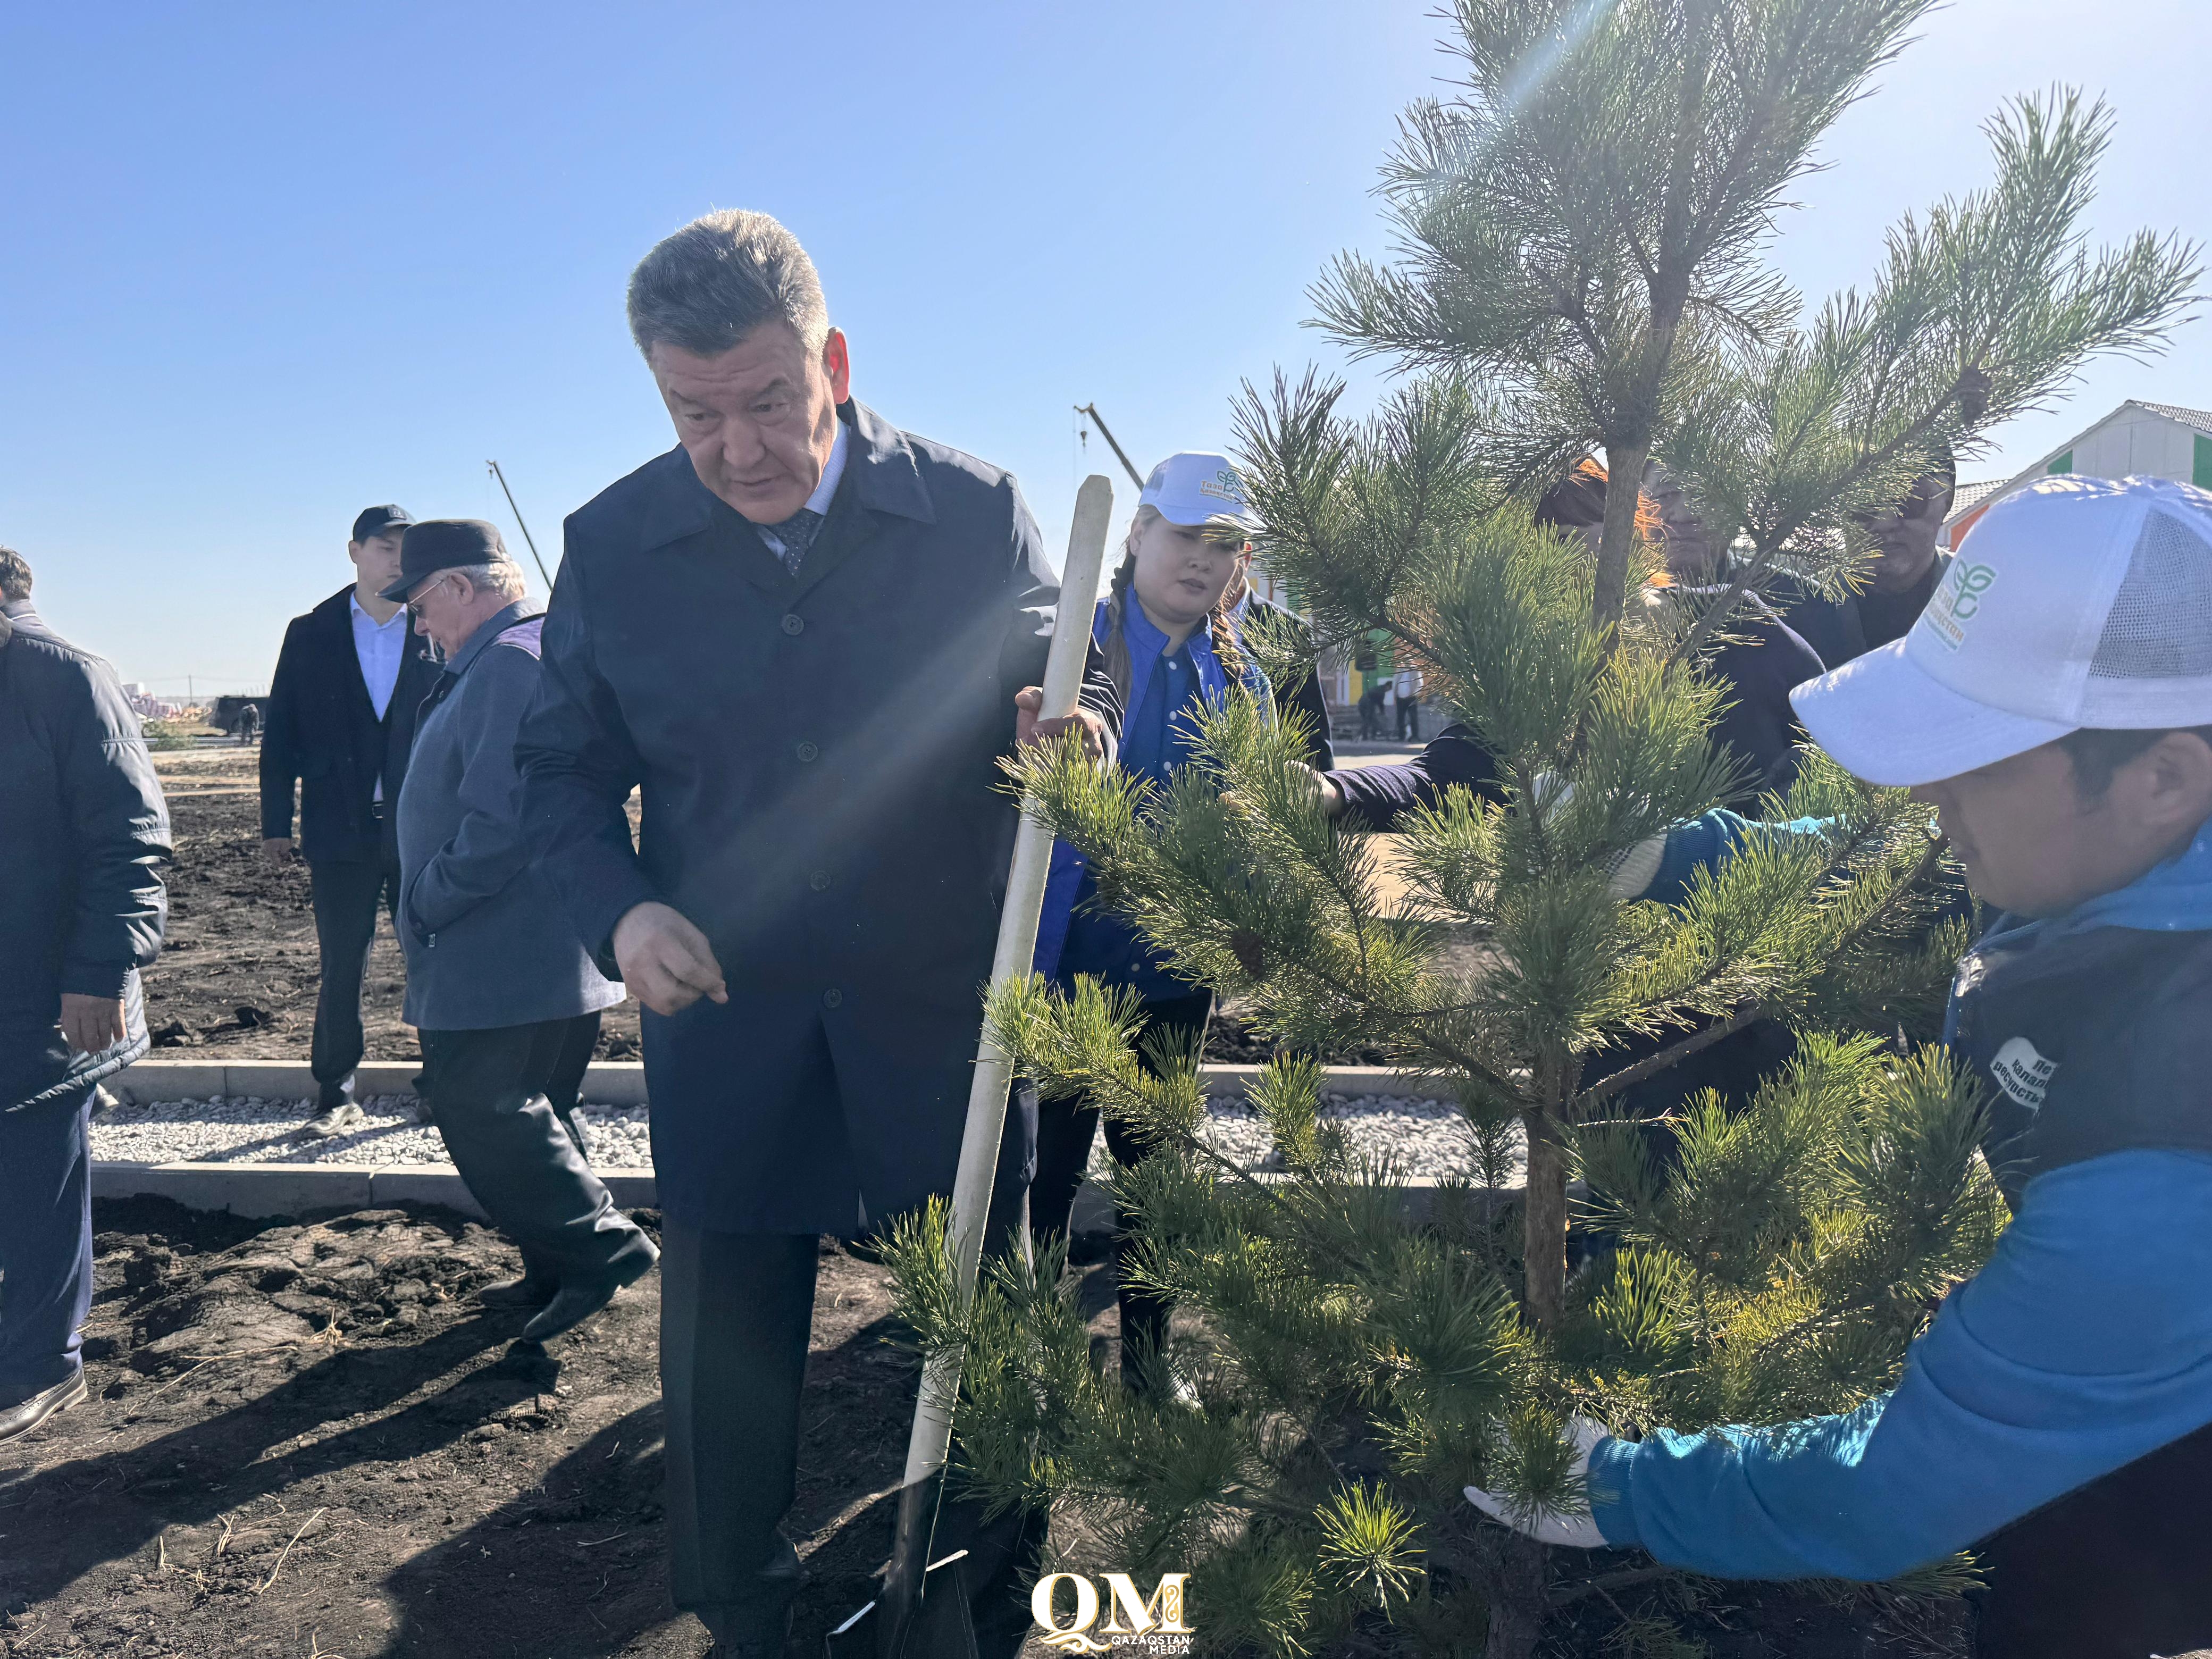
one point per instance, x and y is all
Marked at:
(488, 944)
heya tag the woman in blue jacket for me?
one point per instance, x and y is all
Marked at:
(2054, 704)
(1167, 628)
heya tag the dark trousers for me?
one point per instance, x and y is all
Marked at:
(1065, 1129)
(736, 1312)
(45, 1243)
(504, 1099)
(2119, 1568)
(1409, 719)
(346, 897)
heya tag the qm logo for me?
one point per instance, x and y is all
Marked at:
(1133, 1624)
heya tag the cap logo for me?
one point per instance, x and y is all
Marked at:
(2022, 1073)
(1223, 485)
(1957, 601)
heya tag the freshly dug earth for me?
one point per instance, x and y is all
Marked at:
(305, 1439)
(308, 1439)
(239, 972)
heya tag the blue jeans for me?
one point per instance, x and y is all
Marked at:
(45, 1243)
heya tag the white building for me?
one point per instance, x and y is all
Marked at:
(2136, 440)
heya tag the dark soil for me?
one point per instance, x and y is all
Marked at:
(238, 975)
(444, 1490)
(1231, 1041)
(305, 1439)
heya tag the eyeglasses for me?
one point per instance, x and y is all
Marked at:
(415, 604)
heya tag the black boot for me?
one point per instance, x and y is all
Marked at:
(758, 1626)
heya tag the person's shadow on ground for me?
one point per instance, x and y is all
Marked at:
(73, 1516)
(578, 1568)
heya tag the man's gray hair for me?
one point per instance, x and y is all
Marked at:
(14, 575)
(721, 277)
(504, 578)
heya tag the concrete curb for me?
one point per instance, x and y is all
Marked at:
(608, 1083)
(263, 1189)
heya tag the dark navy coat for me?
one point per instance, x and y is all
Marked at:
(323, 734)
(83, 834)
(817, 758)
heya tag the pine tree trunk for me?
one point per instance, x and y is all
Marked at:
(1624, 463)
(1544, 1220)
(1516, 1586)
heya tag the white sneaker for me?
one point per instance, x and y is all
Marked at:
(343, 1118)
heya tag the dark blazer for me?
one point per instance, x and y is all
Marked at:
(1757, 665)
(322, 732)
(818, 763)
(84, 832)
(1842, 629)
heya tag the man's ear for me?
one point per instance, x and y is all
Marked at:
(837, 364)
(2175, 785)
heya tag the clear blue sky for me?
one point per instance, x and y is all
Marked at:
(264, 266)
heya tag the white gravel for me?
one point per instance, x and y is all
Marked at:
(258, 1131)
(1423, 1137)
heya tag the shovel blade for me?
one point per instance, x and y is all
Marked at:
(942, 1626)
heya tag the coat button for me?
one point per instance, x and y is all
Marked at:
(819, 881)
(808, 752)
(794, 624)
(833, 998)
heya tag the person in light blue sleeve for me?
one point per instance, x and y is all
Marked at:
(2054, 703)
(1168, 631)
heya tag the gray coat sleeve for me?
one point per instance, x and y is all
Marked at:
(487, 850)
(121, 826)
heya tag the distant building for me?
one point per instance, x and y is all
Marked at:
(2136, 440)
(146, 705)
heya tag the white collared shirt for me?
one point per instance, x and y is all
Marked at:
(819, 501)
(379, 649)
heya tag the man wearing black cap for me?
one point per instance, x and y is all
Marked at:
(341, 713)
(504, 994)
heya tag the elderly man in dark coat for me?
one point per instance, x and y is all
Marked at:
(803, 635)
(82, 833)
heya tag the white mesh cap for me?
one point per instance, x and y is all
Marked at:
(2078, 602)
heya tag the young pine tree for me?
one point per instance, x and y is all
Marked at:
(1580, 271)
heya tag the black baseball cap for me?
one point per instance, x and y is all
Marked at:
(380, 521)
(438, 544)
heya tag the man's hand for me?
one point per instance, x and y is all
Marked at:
(665, 962)
(92, 1023)
(1547, 1527)
(1325, 791)
(278, 849)
(1325, 795)
(1029, 729)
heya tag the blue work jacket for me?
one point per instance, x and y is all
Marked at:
(2082, 1353)
(1158, 737)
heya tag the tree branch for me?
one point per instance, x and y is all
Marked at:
(1750, 1011)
